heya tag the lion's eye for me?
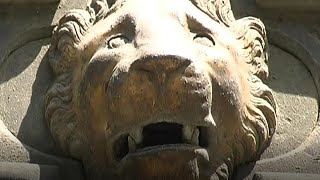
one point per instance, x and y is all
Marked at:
(204, 39)
(117, 41)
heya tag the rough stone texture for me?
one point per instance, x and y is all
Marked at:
(297, 102)
(297, 33)
(24, 171)
(115, 95)
(17, 30)
(290, 28)
(24, 131)
(302, 156)
(22, 97)
(11, 148)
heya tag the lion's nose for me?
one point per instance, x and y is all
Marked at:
(161, 64)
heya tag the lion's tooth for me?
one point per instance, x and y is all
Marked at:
(136, 134)
(187, 132)
(131, 144)
(195, 137)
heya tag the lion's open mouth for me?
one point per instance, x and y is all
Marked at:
(160, 136)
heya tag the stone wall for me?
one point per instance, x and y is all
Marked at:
(294, 36)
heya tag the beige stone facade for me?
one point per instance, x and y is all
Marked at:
(36, 143)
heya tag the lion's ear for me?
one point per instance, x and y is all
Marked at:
(251, 32)
(69, 33)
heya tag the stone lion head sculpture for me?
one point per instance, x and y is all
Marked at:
(160, 89)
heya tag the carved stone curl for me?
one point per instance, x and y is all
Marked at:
(143, 83)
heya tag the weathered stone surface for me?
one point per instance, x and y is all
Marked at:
(20, 24)
(22, 96)
(25, 171)
(296, 40)
(297, 102)
(25, 76)
(123, 84)
(11, 148)
(296, 143)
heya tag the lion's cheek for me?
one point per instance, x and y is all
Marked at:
(130, 96)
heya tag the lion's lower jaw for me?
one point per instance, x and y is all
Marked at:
(166, 164)
(220, 173)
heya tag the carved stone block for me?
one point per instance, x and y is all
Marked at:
(143, 83)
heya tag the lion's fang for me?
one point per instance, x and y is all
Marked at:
(187, 133)
(195, 137)
(191, 135)
(136, 134)
(131, 144)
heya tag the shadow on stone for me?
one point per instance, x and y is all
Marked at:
(16, 32)
(289, 75)
(243, 171)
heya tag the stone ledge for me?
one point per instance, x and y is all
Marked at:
(25, 171)
(290, 5)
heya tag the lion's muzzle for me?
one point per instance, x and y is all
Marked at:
(160, 108)
(159, 86)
